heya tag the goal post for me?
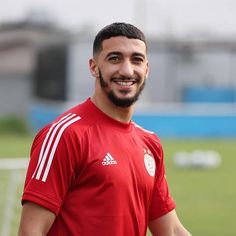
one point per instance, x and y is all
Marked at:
(12, 173)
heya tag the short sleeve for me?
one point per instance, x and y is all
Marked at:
(51, 169)
(161, 202)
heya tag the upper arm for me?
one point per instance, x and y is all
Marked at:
(168, 225)
(52, 168)
(162, 201)
(35, 220)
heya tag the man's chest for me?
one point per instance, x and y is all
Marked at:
(118, 159)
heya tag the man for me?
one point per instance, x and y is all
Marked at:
(93, 171)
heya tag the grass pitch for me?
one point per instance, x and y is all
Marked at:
(205, 198)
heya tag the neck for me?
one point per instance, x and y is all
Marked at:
(122, 114)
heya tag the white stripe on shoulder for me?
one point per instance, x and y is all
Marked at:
(50, 144)
(55, 146)
(46, 140)
(145, 130)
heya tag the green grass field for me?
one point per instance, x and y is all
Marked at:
(205, 197)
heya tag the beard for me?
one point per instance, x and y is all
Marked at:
(120, 102)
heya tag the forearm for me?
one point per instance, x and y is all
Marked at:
(35, 220)
(178, 231)
(181, 231)
(27, 232)
(168, 225)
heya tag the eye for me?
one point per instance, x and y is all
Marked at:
(114, 59)
(138, 59)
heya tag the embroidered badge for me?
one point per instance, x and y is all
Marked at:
(149, 162)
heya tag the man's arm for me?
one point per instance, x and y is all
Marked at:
(35, 220)
(168, 225)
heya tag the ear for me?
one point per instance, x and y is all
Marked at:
(147, 71)
(93, 68)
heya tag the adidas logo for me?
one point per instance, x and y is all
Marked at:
(108, 160)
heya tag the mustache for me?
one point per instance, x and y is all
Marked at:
(120, 78)
(124, 78)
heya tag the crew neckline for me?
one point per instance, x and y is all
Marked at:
(109, 120)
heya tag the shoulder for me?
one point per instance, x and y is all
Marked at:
(146, 133)
(75, 120)
(150, 138)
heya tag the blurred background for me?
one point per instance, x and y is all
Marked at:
(189, 100)
(45, 47)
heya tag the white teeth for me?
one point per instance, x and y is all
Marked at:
(124, 83)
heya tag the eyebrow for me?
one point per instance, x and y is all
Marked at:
(139, 54)
(120, 54)
(113, 53)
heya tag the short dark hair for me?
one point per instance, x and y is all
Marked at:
(114, 30)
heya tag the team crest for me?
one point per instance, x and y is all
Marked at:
(149, 162)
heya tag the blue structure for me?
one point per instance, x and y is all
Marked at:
(189, 126)
(177, 124)
(209, 95)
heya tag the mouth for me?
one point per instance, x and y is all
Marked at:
(124, 83)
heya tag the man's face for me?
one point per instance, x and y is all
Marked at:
(122, 69)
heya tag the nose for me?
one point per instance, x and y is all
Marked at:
(126, 69)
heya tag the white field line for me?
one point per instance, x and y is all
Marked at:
(13, 163)
(15, 166)
(8, 212)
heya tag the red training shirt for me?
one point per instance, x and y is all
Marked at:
(97, 175)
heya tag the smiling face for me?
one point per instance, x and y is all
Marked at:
(120, 69)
